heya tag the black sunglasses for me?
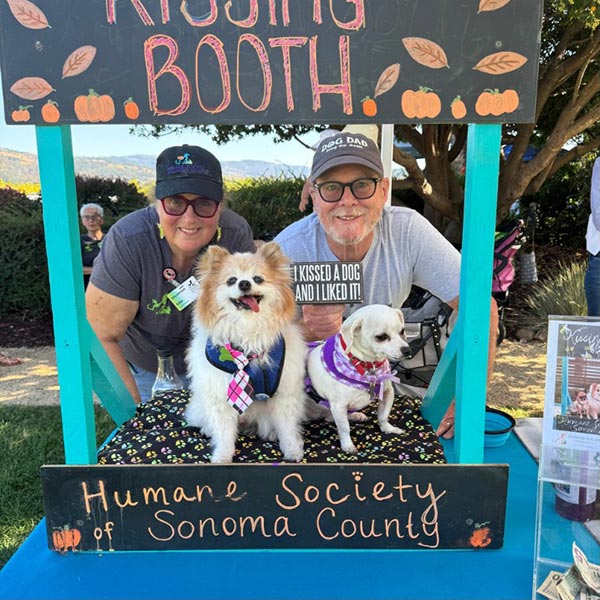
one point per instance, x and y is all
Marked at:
(177, 205)
(362, 189)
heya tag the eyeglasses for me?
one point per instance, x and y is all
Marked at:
(362, 189)
(90, 217)
(177, 205)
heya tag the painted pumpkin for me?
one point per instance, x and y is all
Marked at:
(94, 108)
(494, 102)
(511, 100)
(50, 112)
(66, 539)
(369, 107)
(132, 110)
(421, 104)
(21, 115)
(458, 108)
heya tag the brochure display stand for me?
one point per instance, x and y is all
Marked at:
(568, 511)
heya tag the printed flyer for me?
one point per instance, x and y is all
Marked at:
(572, 401)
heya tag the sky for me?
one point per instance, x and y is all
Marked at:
(115, 140)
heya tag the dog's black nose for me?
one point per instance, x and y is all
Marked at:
(244, 285)
(407, 352)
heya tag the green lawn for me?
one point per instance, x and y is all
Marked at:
(31, 437)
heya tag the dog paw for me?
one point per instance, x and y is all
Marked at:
(350, 448)
(357, 416)
(294, 455)
(387, 428)
(221, 459)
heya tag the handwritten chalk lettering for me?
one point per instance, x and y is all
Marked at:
(581, 339)
(354, 8)
(288, 506)
(205, 71)
(567, 423)
(150, 495)
(169, 528)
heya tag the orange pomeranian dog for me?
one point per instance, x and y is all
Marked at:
(246, 359)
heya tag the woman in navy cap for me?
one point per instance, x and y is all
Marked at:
(139, 295)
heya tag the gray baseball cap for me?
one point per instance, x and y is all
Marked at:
(346, 149)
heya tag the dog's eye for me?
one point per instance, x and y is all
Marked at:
(231, 281)
(258, 279)
(383, 337)
(402, 332)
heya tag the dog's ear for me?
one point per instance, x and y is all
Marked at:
(210, 260)
(400, 315)
(273, 255)
(351, 333)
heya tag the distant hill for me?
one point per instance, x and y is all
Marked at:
(21, 167)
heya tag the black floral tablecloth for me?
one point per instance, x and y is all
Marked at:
(158, 434)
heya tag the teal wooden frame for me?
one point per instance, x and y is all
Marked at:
(81, 359)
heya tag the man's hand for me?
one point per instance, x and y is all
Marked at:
(322, 320)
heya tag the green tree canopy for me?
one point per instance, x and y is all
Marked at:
(567, 115)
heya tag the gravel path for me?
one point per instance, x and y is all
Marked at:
(518, 381)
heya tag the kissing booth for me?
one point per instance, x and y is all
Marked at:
(267, 529)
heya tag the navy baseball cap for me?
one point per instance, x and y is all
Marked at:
(346, 149)
(188, 170)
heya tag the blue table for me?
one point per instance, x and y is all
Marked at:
(36, 572)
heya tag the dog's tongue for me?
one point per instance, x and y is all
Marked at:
(250, 302)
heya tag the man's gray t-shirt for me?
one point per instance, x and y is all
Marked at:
(406, 250)
(130, 266)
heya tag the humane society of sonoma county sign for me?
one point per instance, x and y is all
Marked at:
(269, 61)
(185, 507)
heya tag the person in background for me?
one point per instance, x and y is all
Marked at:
(132, 300)
(398, 247)
(592, 240)
(92, 218)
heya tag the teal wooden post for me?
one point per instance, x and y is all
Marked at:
(462, 371)
(481, 196)
(61, 227)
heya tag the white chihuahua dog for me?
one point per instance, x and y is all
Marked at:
(351, 369)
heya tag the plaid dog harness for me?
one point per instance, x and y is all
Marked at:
(251, 380)
(343, 366)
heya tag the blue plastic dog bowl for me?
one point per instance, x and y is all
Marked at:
(498, 426)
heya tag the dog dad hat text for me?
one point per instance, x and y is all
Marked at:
(346, 149)
(188, 170)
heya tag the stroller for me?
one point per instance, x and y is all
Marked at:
(429, 321)
(508, 241)
(428, 324)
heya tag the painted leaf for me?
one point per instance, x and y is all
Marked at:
(500, 63)
(426, 52)
(31, 88)
(28, 14)
(491, 4)
(387, 79)
(78, 61)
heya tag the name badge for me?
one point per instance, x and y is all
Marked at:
(184, 294)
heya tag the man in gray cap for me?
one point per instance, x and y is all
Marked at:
(398, 247)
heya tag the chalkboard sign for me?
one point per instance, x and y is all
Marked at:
(275, 61)
(330, 282)
(184, 507)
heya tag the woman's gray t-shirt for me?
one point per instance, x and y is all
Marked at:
(130, 266)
